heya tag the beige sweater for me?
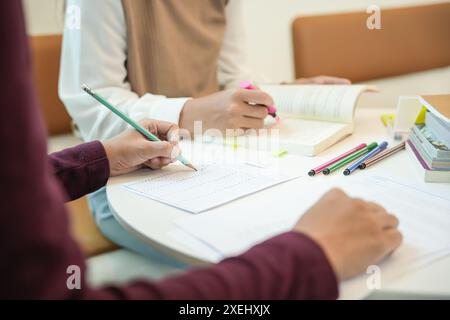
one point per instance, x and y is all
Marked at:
(174, 46)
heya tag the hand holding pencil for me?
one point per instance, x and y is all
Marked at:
(130, 150)
(144, 132)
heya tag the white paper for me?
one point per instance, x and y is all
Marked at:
(424, 222)
(212, 185)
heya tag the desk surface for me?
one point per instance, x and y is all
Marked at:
(152, 221)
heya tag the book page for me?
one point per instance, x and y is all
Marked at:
(308, 132)
(304, 132)
(318, 102)
(212, 185)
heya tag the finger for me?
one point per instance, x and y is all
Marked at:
(173, 134)
(330, 80)
(149, 125)
(374, 207)
(157, 163)
(251, 123)
(166, 161)
(301, 81)
(154, 167)
(164, 130)
(393, 239)
(389, 221)
(154, 149)
(336, 193)
(153, 163)
(256, 97)
(253, 111)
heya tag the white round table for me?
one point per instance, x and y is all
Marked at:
(153, 221)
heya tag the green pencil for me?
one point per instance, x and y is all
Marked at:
(131, 122)
(349, 158)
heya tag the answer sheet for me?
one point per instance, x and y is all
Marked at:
(424, 217)
(214, 184)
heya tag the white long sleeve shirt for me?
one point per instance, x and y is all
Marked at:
(96, 52)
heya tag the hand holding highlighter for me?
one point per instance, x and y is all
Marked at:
(271, 109)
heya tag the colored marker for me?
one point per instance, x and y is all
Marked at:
(320, 168)
(350, 158)
(372, 153)
(383, 155)
(271, 109)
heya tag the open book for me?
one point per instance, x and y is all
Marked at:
(314, 117)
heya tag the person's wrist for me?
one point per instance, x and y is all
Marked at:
(111, 154)
(327, 249)
(307, 250)
(186, 120)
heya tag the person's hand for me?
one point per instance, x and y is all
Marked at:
(229, 109)
(353, 233)
(322, 80)
(131, 150)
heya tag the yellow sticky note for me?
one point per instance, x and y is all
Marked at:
(280, 153)
(232, 142)
(421, 117)
(388, 119)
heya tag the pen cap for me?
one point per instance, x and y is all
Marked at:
(383, 145)
(247, 85)
(361, 146)
(372, 146)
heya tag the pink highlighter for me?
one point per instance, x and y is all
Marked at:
(271, 109)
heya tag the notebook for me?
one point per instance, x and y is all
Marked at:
(426, 173)
(214, 184)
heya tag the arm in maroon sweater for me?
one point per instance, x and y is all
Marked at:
(82, 169)
(35, 246)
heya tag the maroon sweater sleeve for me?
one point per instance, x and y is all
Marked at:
(36, 250)
(289, 266)
(82, 169)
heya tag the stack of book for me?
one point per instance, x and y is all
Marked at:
(429, 141)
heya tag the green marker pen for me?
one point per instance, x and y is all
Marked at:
(350, 158)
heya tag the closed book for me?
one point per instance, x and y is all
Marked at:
(424, 171)
(434, 164)
(439, 128)
(433, 148)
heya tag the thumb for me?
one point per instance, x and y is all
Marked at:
(162, 149)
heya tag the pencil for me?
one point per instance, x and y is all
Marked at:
(150, 136)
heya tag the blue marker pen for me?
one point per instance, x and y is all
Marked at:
(375, 151)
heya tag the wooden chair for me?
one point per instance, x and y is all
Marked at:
(46, 58)
(411, 39)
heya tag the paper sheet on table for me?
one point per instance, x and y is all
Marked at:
(212, 185)
(424, 221)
